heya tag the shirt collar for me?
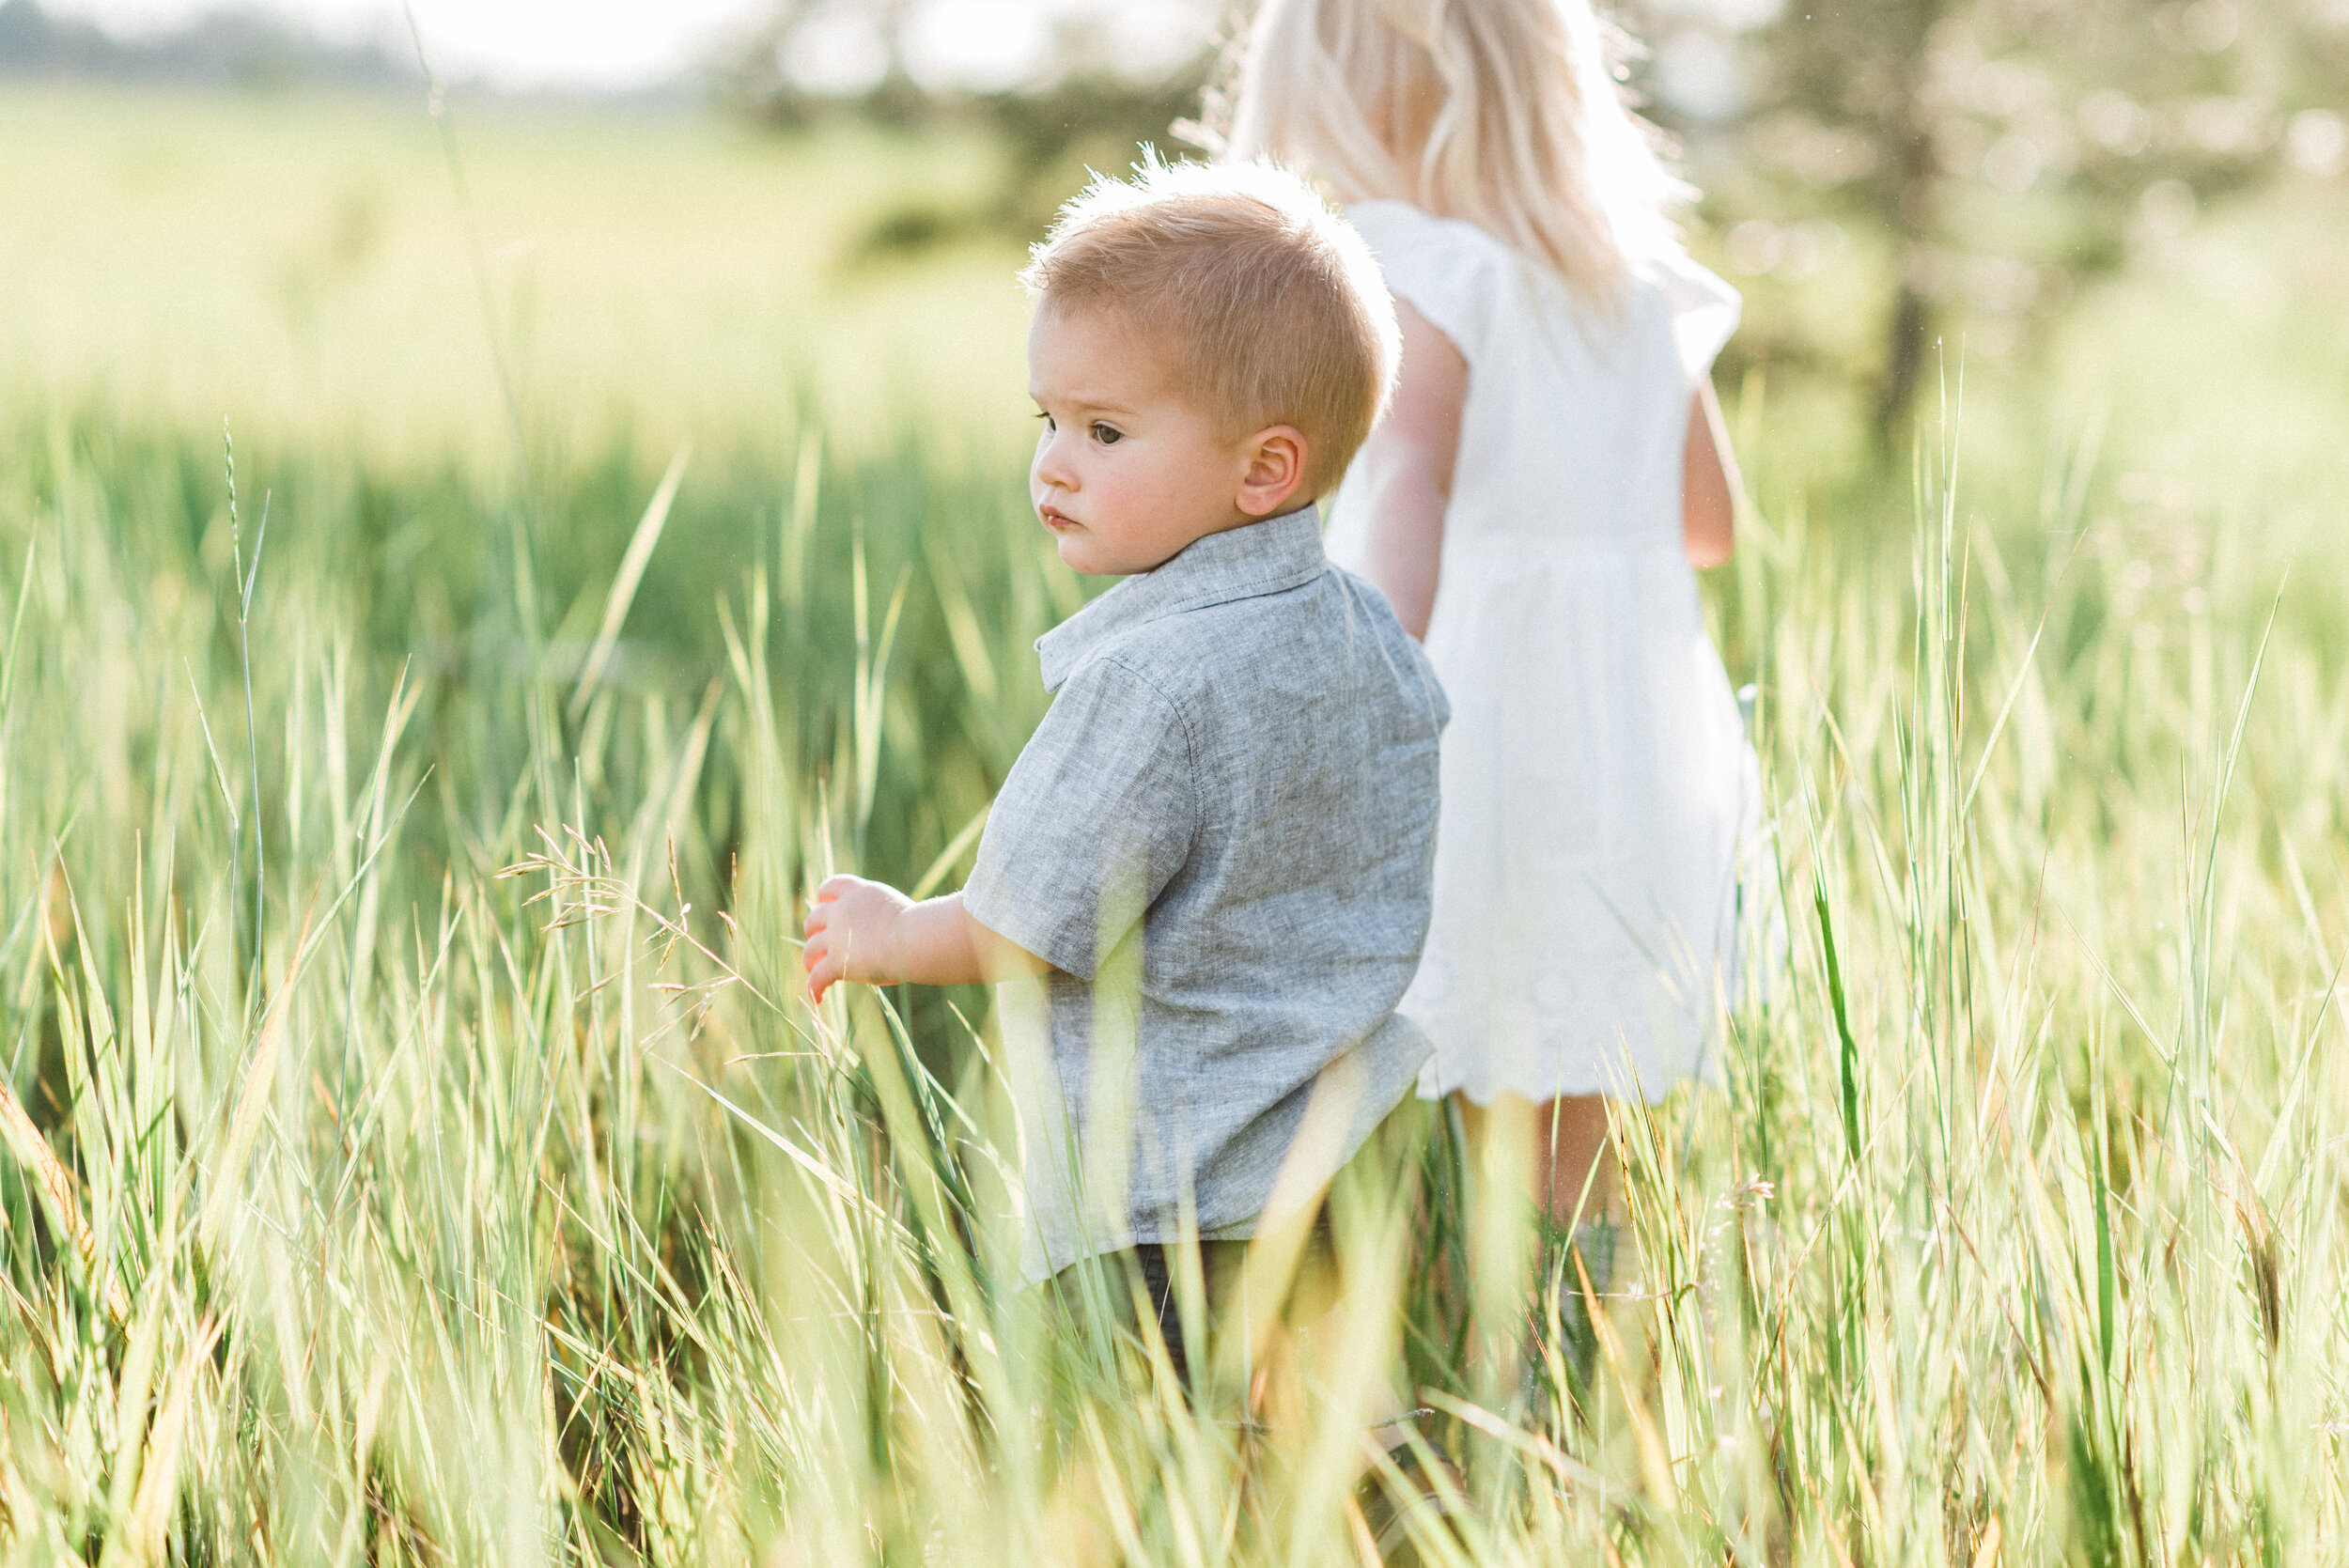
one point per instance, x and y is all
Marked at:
(1257, 558)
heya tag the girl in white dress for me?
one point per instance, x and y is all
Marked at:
(1553, 469)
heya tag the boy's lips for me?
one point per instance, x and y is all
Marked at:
(1056, 520)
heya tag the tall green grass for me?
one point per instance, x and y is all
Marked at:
(487, 1196)
(414, 1150)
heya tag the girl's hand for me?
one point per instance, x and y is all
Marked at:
(853, 933)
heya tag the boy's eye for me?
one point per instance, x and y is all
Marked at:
(1108, 435)
(1048, 421)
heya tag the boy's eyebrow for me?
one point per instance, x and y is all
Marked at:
(1096, 403)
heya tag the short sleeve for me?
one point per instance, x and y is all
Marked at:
(1097, 815)
(1443, 269)
(1705, 309)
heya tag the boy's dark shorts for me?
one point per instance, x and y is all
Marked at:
(1147, 1280)
(1221, 1266)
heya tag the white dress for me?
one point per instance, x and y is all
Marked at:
(1600, 800)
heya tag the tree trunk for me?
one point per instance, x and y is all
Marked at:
(1916, 210)
(1903, 363)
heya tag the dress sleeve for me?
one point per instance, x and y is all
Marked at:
(1443, 269)
(1095, 819)
(1705, 309)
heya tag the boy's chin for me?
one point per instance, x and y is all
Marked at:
(1084, 556)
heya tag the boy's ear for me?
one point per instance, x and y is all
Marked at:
(1276, 468)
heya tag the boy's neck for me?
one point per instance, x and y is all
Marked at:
(1243, 522)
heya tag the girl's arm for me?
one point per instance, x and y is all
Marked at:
(870, 932)
(1708, 483)
(1405, 470)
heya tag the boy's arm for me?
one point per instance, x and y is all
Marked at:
(870, 932)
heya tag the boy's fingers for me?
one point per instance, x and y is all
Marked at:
(832, 886)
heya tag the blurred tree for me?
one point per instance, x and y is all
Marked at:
(1083, 87)
(1056, 79)
(2004, 149)
(802, 58)
(242, 46)
(1982, 158)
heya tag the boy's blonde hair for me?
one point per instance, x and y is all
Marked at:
(1504, 113)
(1271, 303)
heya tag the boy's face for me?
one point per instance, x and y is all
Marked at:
(1128, 473)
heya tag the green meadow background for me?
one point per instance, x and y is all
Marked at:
(414, 1154)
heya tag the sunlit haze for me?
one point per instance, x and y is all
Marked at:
(630, 44)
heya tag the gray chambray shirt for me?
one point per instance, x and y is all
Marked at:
(1221, 837)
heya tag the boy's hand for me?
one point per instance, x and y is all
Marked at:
(872, 933)
(853, 933)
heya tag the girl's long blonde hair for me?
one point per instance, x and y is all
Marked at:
(1504, 113)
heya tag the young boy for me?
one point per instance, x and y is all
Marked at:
(1215, 852)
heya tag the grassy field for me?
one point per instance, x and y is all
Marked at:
(308, 267)
(420, 1158)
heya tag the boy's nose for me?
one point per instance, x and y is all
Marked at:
(1050, 468)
